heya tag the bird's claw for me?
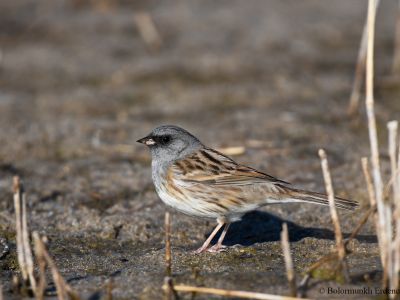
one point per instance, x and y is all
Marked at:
(200, 250)
(214, 249)
(217, 249)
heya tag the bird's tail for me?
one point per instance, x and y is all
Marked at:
(318, 198)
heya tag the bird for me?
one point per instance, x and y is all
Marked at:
(201, 182)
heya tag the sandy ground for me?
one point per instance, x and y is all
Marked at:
(79, 87)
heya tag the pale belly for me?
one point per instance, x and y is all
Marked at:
(191, 207)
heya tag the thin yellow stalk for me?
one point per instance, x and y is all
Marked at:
(335, 218)
(63, 289)
(18, 228)
(26, 245)
(372, 199)
(25, 259)
(384, 218)
(392, 128)
(41, 261)
(109, 289)
(360, 69)
(168, 288)
(396, 241)
(291, 276)
(392, 255)
(148, 30)
(360, 224)
(228, 293)
(232, 151)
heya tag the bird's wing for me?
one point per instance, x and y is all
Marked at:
(208, 166)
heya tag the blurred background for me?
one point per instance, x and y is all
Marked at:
(81, 81)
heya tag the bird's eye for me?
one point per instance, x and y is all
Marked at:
(165, 139)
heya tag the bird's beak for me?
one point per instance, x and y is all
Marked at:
(147, 140)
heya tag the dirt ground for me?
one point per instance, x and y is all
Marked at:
(79, 87)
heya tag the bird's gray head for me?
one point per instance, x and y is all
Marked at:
(168, 143)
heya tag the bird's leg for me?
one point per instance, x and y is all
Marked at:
(219, 247)
(209, 239)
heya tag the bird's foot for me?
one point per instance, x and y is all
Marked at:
(200, 250)
(214, 249)
(217, 248)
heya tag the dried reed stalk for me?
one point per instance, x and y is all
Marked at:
(1, 292)
(227, 293)
(334, 255)
(392, 128)
(148, 30)
(168, 267)
(25, 259)
(18, 228)
(383, 209)
(41, 261)
(291, 276)
(168, 288)
(64, 291)
(393, 251)
(335, 218)
(232, 151)
(360, 69)
(372, 198)
(396, 242)
(16, 284)
(360, 224)
(109, 289)
(354, 233)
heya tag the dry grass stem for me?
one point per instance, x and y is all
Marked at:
(64, 291)
(360, 69)
(392, 255)
(334, 255)
(372, 199)
(360, 224)
(15, 284)
(335, 218)
(18, 227)
(148, 30)
(291, 276)
(232, 150)
(1, 292)
(24, 252)
(26, 243)
(168, 267)
(41, 261)
(325, 259)
(228, 293)
(396, 217)
(168, 288)
(390, 183)
(396, 245)
(383, 209)
(109, 289)
(392, 128)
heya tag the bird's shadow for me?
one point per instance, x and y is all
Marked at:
(258, 227)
